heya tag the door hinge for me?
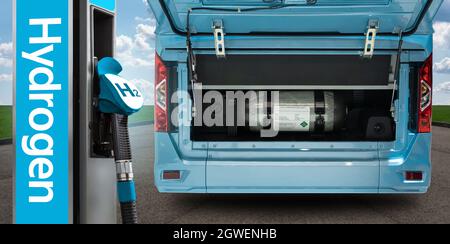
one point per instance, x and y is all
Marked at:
(219, 39)
(371, 35)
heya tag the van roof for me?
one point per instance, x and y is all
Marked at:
(299, 16)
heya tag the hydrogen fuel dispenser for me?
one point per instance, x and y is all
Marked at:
(96, 170)
(67, 125)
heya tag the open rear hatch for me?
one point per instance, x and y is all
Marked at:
(298, 16)
(334, 107)
(321, 96)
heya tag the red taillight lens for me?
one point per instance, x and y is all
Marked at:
(172, 175)
(425, 96)
(161, 90)
(413, 176)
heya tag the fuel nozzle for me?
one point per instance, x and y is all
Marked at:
(120, 98)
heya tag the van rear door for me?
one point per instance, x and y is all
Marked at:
(287, 166)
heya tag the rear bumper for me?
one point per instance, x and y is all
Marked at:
(199, 175)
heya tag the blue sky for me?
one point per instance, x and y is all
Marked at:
(135, 48)
(135, 44)
(5, 52)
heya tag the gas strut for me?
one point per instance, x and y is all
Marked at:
(120, 98)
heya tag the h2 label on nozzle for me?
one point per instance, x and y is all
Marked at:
(117, 95)
(131, 92)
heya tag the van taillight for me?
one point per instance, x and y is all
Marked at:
(425, 96)
(414, 176)
(161, 90)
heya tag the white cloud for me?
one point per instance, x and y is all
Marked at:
(128, 55)
(128, 59)
(124, 43)
(443, 66)
(5, 62)
(151, 20)
(139, 50)
(145, 36)
(443, 87)
(6, 77)
(442, 34)
(6, 48)
(6, 54)
(146, 87)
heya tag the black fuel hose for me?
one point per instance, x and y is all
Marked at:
(124, 168)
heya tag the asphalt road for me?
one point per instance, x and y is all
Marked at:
(5, 184)
(433, 207)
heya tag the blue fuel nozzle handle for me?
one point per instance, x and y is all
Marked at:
(117, 95)
(120, 98)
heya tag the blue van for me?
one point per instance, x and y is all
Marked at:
(347, 84)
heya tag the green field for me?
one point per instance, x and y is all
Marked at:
(145, 115)
(441, 114)
(5, 122)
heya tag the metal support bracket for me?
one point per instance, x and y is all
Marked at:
(371, 35)
(219, 39)
(197, 93)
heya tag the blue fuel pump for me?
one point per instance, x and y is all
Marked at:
(120, 98)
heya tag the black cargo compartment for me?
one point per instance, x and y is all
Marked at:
(335, 97)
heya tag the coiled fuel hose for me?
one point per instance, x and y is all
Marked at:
(124, 169)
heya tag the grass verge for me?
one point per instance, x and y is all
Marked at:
(5, 122)
(146, 114)
(441, 113)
